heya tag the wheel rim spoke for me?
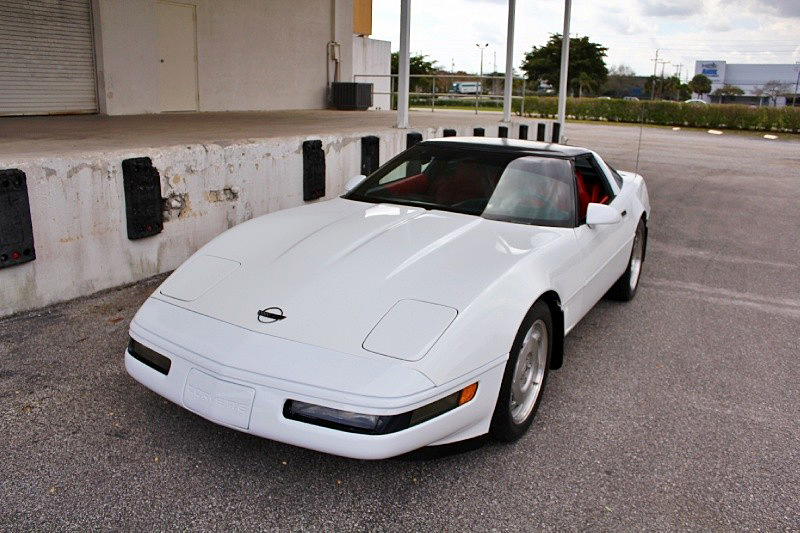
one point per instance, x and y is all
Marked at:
(636, 258)
(529, 371)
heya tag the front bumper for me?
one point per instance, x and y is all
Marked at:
(253, 402)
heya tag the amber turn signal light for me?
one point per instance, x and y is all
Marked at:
(467, 394)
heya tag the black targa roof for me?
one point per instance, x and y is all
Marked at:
(510, 145)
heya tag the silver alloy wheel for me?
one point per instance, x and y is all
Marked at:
(636, 257)
(529, 371)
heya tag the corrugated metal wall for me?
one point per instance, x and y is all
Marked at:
(46, 57)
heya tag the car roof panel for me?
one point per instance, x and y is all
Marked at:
(512, 145)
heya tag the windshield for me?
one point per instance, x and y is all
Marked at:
(495, 185)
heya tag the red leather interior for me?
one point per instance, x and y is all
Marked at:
(588, 192)
(417, 184)
(583, 194)
(466, 183)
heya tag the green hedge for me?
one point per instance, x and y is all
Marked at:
(731, 116)
(443, 101)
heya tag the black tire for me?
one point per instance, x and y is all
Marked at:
(625, 287)
(504, 426)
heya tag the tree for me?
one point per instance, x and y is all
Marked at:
(544, 62)
(671, 88)
(773, 89)
(648, 85)
(417, 65)
(727, 90)
(584, 81)
(700, 84)
(759, 92)
(621, 70)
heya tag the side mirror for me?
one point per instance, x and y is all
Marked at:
(602, 214)
(353, 182)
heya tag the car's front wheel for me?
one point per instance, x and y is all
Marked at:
(525, 375)
(625, 287)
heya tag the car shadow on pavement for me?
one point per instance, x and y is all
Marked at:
(445, 450)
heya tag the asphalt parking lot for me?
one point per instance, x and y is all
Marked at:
(677, 411)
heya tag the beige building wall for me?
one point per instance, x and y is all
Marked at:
(251, 54)
(372, 63)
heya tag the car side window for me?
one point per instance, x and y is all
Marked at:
(615, 175)
(404, 170)
(591, 185)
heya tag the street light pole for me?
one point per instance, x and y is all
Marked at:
(479, 88)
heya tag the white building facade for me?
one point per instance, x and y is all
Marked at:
(121, 57)
(752, 79)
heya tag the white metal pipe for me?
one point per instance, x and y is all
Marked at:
(563, 79)
(403, 65)
(509, 62)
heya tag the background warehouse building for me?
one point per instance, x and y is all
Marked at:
(145, 56)
(751, 78)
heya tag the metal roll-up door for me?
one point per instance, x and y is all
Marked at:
(46, 57)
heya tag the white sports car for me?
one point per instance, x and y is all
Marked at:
(423, 307)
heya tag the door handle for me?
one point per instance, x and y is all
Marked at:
(624, 212)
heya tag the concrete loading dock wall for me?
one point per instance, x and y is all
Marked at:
(77, 206)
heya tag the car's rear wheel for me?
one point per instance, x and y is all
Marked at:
(525, 375)
(625, 287)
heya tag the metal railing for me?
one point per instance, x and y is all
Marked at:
(440, 88)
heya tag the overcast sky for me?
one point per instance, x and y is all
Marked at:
(737, 31)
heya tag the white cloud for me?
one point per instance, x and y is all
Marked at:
(684, 30)
(670, 8)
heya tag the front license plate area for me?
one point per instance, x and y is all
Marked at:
(221, 401)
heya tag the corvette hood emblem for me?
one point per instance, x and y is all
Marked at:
(270, 315)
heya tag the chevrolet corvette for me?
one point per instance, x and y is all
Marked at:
(424, 306)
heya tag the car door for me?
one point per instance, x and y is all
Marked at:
(604, 249)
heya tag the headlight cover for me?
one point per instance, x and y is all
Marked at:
(391, 335)
(375, 424)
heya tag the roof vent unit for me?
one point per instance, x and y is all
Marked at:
(352, 96)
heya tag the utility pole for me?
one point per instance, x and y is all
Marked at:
(663, 64)
(678, 68)
(653, 85)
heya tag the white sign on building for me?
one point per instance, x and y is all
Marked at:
(713, 70)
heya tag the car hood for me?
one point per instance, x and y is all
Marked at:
(335, 268)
